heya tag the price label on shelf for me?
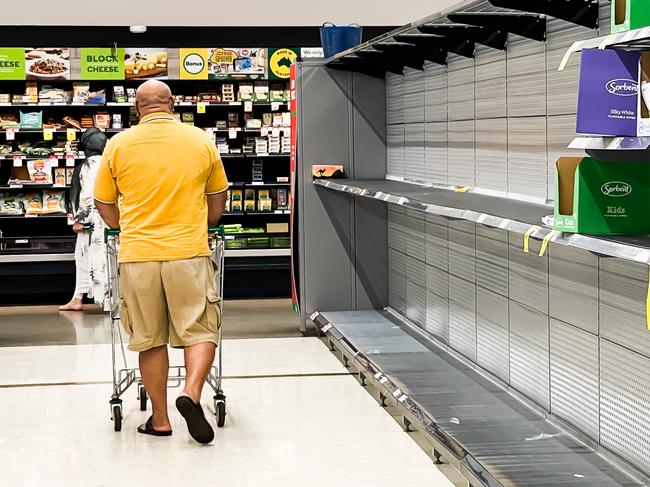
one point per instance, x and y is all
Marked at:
(275, 106)
(264, 131)
(69, 161)
(11, 134)
(48, 134)
(54, 161)
(72, 134)
(248, 106)
(235, 103)
(200, 107)
(232, 133)
(18, 161)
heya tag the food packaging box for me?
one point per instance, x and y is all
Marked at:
(119, 95)
(607, 93)
(282, 199)
(188, 118)
(117, 121)
(601, 197)
(53, 201)
(629, 15)
(265, 205)
(233, 119)
(11, 204)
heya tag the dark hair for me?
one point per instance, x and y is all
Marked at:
(92, 142)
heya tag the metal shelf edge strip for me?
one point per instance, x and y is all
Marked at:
(583, 242)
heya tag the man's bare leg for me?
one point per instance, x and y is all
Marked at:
(198, 361)
(154, 366)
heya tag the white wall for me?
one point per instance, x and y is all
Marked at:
(216, 13)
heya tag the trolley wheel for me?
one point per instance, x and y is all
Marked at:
(117, 417)
(142, 395)
(220, 411)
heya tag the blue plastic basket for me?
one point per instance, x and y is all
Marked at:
(337, 38)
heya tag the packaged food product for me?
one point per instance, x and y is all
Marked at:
(188, 118)
(267, 119)
(69, 171)
(40, 171)
(130, 95)
(10, 204)
(119, 96)
(33, 203)
(59, 176)
(102, 120)
(5, 98)
(117, 121)
(80, 92)
(282, 199)
(233, 119)
(31, 92)
(261, 91)
(53, 201)
(31, 120)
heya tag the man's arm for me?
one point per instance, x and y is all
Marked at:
(216, 207)
(110, 213)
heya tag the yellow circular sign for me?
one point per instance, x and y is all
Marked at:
(281, 61)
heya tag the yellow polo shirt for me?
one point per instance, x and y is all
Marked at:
(160, 171)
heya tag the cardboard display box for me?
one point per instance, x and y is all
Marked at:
(630, 15)
(643, 100)
(608, 93)
(602, 197)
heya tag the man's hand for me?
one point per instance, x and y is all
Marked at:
(77, 227)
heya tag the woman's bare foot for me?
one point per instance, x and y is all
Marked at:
(74, 305)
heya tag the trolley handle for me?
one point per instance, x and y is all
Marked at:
(109, 232)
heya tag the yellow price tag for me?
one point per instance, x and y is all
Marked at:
(464, 189)
(200, 107)
(546, 240)
(527, 235)
(48, 134)
(72, 134)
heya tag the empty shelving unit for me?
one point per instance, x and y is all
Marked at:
(521, 353)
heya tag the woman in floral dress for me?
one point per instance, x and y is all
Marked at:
(90, 250)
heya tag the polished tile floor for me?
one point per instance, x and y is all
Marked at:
(295, 416)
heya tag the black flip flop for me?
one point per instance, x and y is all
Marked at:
(149, 430)
(197, 425)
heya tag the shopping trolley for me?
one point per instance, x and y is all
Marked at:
(123, 376)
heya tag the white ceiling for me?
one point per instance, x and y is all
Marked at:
(216, 13)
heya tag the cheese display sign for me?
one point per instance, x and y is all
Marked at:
(280, 61)
(193, 63)
(140, 63)
(12, 63)
(249, 62)
(102, 63)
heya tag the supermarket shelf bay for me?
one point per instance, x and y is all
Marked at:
(504, 213)
(474, 424)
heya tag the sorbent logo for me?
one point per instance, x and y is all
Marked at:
(193, 63)
(616, 189)
(622, 87)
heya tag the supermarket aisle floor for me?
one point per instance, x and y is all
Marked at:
(44, 325)
(295, 418)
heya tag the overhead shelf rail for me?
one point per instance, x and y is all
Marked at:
(507, 214)
(458, 32)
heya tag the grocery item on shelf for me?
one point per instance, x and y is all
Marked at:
(33, 203)
(233, 119)
(228, 92)
(5, 98)
(130, 95)
(31, 120)
(282, 199)
(117, 121)
(69, 172)
(40, 171)
(264, 202)
(188, 118)
(102, 120)
(31, 92)
(261, 91)
(236, 197)
(11, 204)
(119, 95)
(249, 200)
(9, 121)
(53, 201)
(50, 94)
(245, 92)
(59, 176)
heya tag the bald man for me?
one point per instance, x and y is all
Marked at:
(161, 183)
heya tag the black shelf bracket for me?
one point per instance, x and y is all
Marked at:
(580, 12)
(436, 47)
(408, 55)
(532, 26)
(494, 38)
(359, 65)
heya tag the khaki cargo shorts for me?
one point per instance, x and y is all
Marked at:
(173, 302)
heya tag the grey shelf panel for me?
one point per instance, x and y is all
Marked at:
(504, 213)
(486, 433)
